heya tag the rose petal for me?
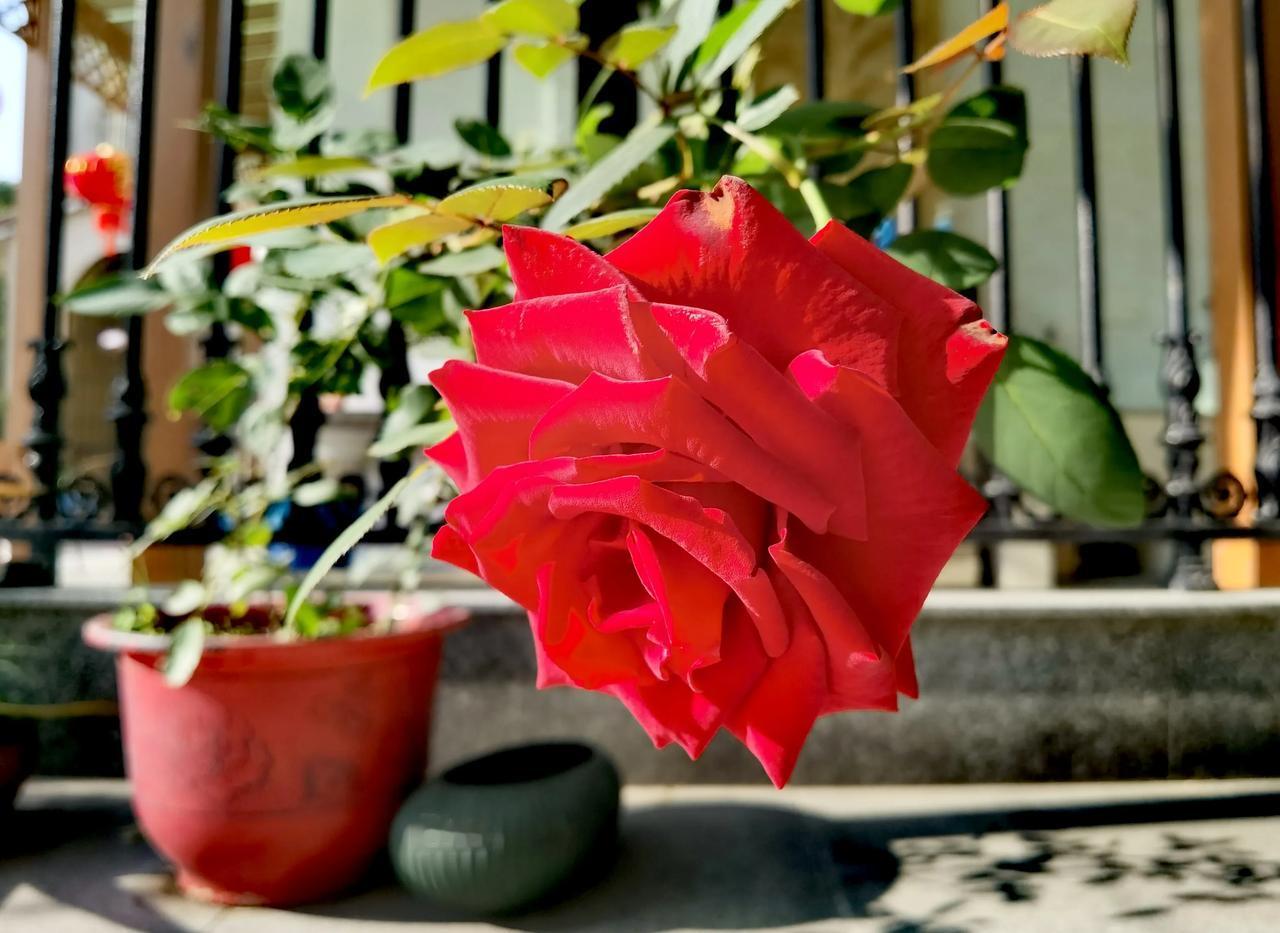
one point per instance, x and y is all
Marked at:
(947, 355)
(777, 717)
(603, 413)
(696, 346)
(495, 412)
(544, 263)
(563, 337)
(732, 252)
(669, 711)
(920, 512)
(707, 535)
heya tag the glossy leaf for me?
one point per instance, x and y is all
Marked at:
(948, 258)
(768, 109)
(869, 7)
(609, 224)
(483, 137)
(469, 262)
(541, 59)
(735, 33)
(494, 203)
(694, 22)
(398, 237)
(312, 167)
(994, 21)
(981, 144)
(609, 172)
(234, 229)
(1049, 427)
(822, 120)
(437, 50)
(186, 646)
(117, 297)
(345, 542)
(874, 192)
(548, 19)
(325, 260)
(219, 392)
(416, 437)
(1076, 27)
(634, 45)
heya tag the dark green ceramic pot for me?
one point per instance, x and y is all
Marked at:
(508, 830)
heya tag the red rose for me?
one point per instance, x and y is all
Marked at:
(717, 467)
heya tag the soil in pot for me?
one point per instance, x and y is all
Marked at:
(509, 830)
(272, 776)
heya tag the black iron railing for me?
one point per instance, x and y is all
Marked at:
(1191, 512)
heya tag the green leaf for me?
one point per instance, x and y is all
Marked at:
(301, 86)
(1049, 427)
(945, 257)
(541, 59)
(117, 297)
(609, 224)
(875, 191)
(694, 22)
(469, 262)
(316, 492)
(634, 45)
(767, 109)
(414, 438)
(345, 542)
(981, 144)
(496, 202)
(219, 392)
(304, 95)
(325, 260)
(548, 19)
(822, 120)
(189, 596)
(246, 226)
(437, 50)
(413, 404)
(733, 35)
(398, 237)
(482, 137)
(1076, 27)
(313, 167)
(186, 645)
(610, 171)
(869, 7)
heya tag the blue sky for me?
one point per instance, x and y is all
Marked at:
(13, 70)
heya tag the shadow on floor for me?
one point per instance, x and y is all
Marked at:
(732, 867)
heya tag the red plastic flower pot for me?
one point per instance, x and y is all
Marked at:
(273, 775)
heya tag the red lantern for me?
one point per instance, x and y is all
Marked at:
(102, 179)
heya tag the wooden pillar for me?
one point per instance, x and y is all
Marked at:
(1237, 564)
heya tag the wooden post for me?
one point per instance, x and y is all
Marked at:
(1237, 564)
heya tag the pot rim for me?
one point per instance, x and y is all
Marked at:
(100, 632)
(456, 776)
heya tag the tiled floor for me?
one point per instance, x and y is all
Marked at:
(1185, 856)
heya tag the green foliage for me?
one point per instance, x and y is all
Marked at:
(945, 257)
(1077, 27)
(1049, 427)
(218, 392)
(869, 7)
(981, 144)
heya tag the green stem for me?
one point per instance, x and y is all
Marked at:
(816, 203)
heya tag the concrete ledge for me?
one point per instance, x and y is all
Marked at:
(1016, 686)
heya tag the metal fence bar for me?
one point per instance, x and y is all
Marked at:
(404, 92)
(320, 29)
(816, 36)
(1182, 437)
(46, 385)
(1266, 384)
(1088, 252)
(227, 77)
(128, 409)
(905, 93)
